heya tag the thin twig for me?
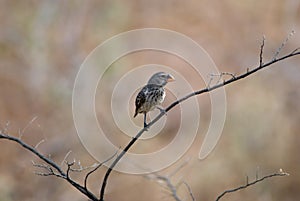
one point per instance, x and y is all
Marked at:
(65, 158)
(39, 143)
(261, 51)
(219, 76)
(97, 167)
(21, 133)
(295, 50)
(283, 44)
(278, 174)
(69, 165)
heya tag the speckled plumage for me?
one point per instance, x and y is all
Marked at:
(152, 94)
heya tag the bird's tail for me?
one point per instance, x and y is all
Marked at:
(135, 114)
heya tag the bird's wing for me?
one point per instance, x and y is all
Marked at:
(140, 100)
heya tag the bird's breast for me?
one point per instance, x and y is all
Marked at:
(151, 97)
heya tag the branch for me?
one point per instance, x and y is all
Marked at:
(262, 51)
(278, 174)
(283, 44)
(50, 167)
(205, 90)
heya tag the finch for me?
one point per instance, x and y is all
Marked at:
(152, 94)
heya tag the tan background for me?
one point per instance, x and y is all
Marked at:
(42, 45)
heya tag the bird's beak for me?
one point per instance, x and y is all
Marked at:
(170, 78)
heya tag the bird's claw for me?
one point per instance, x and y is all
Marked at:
(162, 110)
(146, 126)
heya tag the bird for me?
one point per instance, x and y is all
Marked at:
(152, 95)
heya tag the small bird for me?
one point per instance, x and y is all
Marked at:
(152, 94)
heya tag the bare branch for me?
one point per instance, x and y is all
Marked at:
(278, 174)
(172, 105)
(51, 166)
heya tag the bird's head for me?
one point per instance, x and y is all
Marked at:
(161, 79)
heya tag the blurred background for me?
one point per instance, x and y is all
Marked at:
(42, 45)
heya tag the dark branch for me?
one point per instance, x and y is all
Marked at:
(50, 167)
(34, 151)
(278, 174)
(261, 51)
(205, 90)
(96, 168)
